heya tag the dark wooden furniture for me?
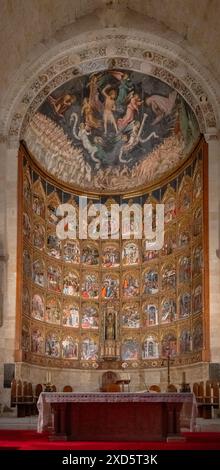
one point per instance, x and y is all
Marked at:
(23, 399)
(67, 388)
(207, 400)
(113, 416)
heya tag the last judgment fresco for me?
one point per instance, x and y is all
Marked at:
(112, 131)
(90, 303)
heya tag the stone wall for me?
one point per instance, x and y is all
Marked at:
(88, 380)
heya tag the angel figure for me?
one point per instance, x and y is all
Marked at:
(132, 108)
(87, 111)
(126, 86)
(61, 104)
(161, 105)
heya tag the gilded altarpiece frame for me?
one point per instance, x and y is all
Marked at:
(95, 303)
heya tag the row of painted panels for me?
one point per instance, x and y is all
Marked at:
(87, 348)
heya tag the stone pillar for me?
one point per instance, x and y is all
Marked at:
(8, 234)
(214, 248)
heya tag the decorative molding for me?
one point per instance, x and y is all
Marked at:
(94, 51)
(212, 135)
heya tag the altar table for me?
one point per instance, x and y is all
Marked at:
(115, 416)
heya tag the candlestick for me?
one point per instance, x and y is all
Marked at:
(168, 370)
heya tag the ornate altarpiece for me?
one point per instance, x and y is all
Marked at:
(81, 304)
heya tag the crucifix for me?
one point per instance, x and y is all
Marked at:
(168, 359)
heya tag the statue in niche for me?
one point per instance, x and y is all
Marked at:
(110, 347)
(110, 326)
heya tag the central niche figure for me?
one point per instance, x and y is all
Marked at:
(110, 326)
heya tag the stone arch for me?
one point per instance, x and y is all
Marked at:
(148, 52)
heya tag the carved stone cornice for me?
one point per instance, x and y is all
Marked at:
(214, 134)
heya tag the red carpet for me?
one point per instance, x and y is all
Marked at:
(31, 440)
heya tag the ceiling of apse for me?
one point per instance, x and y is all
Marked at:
(112, 131)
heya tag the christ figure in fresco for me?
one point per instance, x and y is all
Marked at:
(109, 107)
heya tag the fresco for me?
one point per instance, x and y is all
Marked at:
(197, 222)
(150, 348)
(89, 350)
(71, 283)
(150, 314)
(90, 255)
(170, 210)
(110, 286)
(38, 307)
(197, 299)
(54, 278)
(69, 348)
(130, 254)
(38, 206)
(70, 314)
(169, 345)
(90, 286)
(197, 337)
(26, 301)
(185, 341)
(27, 191)
(25, 338)
(52, 314)
(131, 284)
(38, 273)
(169, 277)
(39, 236)
(131, 316)
(149, 254)
(26, 225)
(90, 316)
(197, 186)
(113, 130)
(130, 350)
(26, 263)
(71, 252)
(169, 243)
(52, 345)
(37, 341)
(150, 282)
(168, 313)
(197, 261)
(185, 269)
(184, 236)
(53, 246)
(111, 256)
(185, 304)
